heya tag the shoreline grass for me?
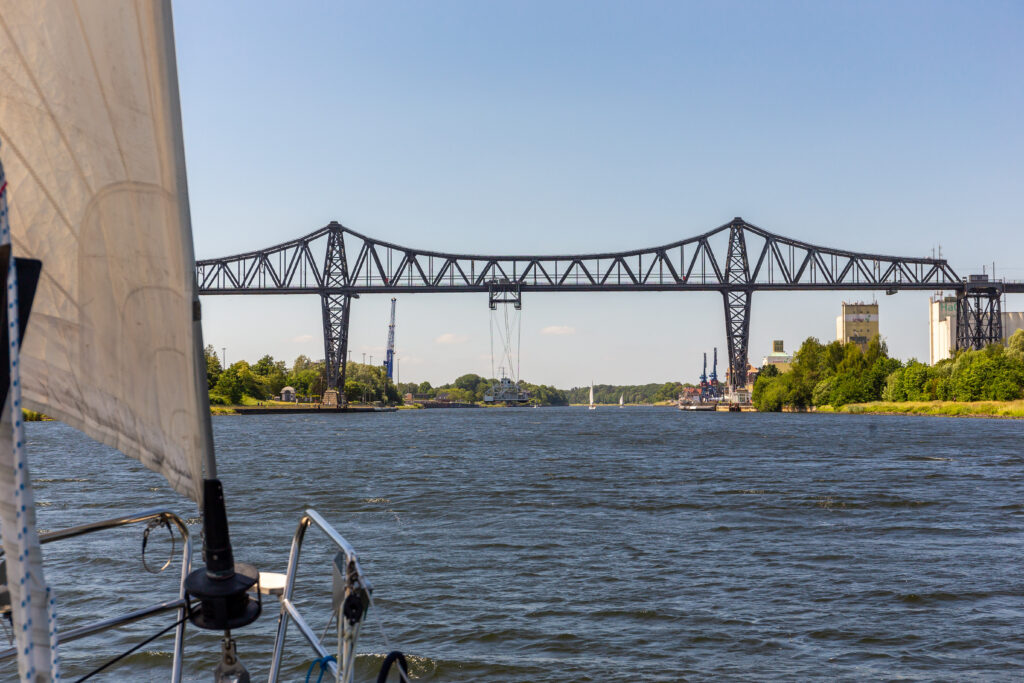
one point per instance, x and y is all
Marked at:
(990, 409)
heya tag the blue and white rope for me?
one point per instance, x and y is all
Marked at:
(22, 484)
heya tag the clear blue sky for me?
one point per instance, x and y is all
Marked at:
(550, 126)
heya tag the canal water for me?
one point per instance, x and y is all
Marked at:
(634, 544)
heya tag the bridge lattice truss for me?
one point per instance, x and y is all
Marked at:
(735, 259)
(700, 263)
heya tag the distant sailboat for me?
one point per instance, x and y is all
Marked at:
(592, 406)
(620, 400)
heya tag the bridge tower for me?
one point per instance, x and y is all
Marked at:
(335, 309)
(737, 294)
(979, 319)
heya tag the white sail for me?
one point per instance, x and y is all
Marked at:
(91, 138)
(620, 399)
(591, 395)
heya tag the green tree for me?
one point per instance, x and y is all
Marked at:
(822, 394)
(894, 386)
(772, 393)
(229, 385)
(264, 366)
(1015, 346)
(915, 381)
(354, 391)
(468, 381)
(270, 375)
(669, 391)
(213, 368)
(459, 395)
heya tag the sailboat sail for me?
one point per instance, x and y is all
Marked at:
(591, 395)
(91, 132)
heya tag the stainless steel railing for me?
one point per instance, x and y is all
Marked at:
(288, 610)
(180, 604)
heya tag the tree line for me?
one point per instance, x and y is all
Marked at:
(836, 374)
(470, 388)
(630, 393)
(264, 379)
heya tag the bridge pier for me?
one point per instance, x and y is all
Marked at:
(335, 317)
(737, 303)
(737, 332)
(979, 319)
(335, 309)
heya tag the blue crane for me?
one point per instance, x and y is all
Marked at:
(714, 374)
(389, 363)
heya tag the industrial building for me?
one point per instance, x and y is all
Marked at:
(942, 327)
(857, 324)
(778, 357)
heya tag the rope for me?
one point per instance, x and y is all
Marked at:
(27, 543)
(121, 656)
(322, 661)
(492, 343)
(387, 643)
(155, 524)
(385, 668)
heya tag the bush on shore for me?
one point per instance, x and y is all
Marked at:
(838, 374)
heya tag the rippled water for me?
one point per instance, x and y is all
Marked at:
(631, 544)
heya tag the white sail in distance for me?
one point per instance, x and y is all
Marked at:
(91, 129)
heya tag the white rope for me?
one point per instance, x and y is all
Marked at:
(27, 540)
(492, 343)
(387, 644)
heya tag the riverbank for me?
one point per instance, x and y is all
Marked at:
(1000, 409)
(267, 408)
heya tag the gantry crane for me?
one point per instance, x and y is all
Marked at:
(715, 388)
(389, 362)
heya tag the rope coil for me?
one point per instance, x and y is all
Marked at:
(322, 661)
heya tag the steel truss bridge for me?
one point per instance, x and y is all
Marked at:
(736, 259)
